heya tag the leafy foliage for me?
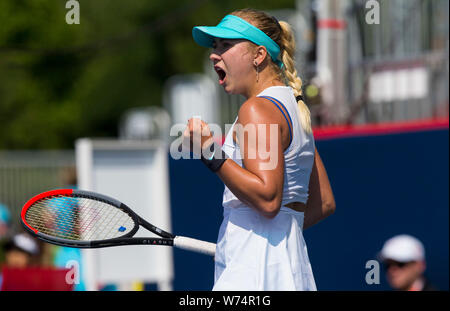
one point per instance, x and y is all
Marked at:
(59, 82)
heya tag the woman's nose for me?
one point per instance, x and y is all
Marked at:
(214, 56)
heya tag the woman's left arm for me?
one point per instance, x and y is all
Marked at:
(320, 202)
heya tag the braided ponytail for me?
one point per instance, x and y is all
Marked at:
(291, 75)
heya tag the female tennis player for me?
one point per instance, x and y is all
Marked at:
(268, 162)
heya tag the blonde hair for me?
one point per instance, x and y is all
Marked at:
(281, 32)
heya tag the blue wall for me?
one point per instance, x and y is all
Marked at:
(384, 185)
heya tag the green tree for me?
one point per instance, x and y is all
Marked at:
(59, 82)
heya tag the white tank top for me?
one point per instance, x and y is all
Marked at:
(298, 157)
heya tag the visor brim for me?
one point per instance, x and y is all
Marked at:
(204, 35)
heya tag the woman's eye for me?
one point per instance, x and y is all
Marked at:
(221, 45)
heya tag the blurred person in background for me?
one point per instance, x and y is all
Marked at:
(5, 218)
(20, 251)
(403, 256)
(68, 257)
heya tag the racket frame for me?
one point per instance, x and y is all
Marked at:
(126, 239)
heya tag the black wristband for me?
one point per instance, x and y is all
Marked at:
(213, 157)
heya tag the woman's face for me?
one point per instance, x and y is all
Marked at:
(233, 62)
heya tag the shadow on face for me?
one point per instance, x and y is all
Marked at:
(402, 275)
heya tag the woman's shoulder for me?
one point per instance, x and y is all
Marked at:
(252, 104)
(258, 110)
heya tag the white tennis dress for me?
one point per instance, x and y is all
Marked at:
(257, 253)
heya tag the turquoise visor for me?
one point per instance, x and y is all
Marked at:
(233, 27)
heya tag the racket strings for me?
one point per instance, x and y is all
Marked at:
(77, 218)
(51, 218)
(105, 228)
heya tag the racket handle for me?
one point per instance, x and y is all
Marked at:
(195, 245)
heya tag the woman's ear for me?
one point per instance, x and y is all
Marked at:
(260, 55)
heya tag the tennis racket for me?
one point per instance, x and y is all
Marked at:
(85, 219)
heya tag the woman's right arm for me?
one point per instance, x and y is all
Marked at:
(320, 202)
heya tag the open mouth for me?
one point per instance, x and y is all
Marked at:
(221, 73)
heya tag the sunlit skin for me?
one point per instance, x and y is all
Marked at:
(263, 188)
(237, 58)
(236, 62)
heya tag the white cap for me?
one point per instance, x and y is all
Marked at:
(25, 243)
(403, 248)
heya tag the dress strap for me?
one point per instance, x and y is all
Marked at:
(277, 103)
